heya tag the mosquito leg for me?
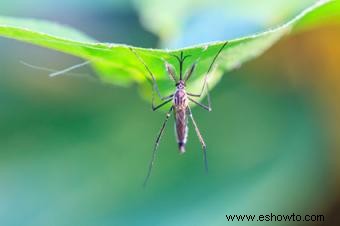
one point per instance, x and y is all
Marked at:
(69, 69)
(53, 72)
(205, 83)
(153, 79)
(201, 105)
(154, 108)
(204, 86)
(202, 89)
(199, 95)
(209, 69)
(204, 147)
(156, 146)
(154, 84)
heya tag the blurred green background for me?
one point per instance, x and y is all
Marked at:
(74, 151)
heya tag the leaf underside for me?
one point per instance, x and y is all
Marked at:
(116, 64)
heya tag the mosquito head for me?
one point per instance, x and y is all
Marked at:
(180, 84)
(181, 59)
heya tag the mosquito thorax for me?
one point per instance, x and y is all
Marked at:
(180, 98)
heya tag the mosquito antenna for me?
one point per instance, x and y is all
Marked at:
(55, 72)
(181, 67)
(181, 61)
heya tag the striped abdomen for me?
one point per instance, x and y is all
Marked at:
(181, 119)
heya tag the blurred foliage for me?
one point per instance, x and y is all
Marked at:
(117, 64)
(75, 152)
(183, 21)
(22, 6)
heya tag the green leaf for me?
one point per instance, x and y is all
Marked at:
(118, 65)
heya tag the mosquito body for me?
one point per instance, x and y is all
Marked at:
(180, 104)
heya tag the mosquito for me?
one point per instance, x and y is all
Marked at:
(180, 104)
